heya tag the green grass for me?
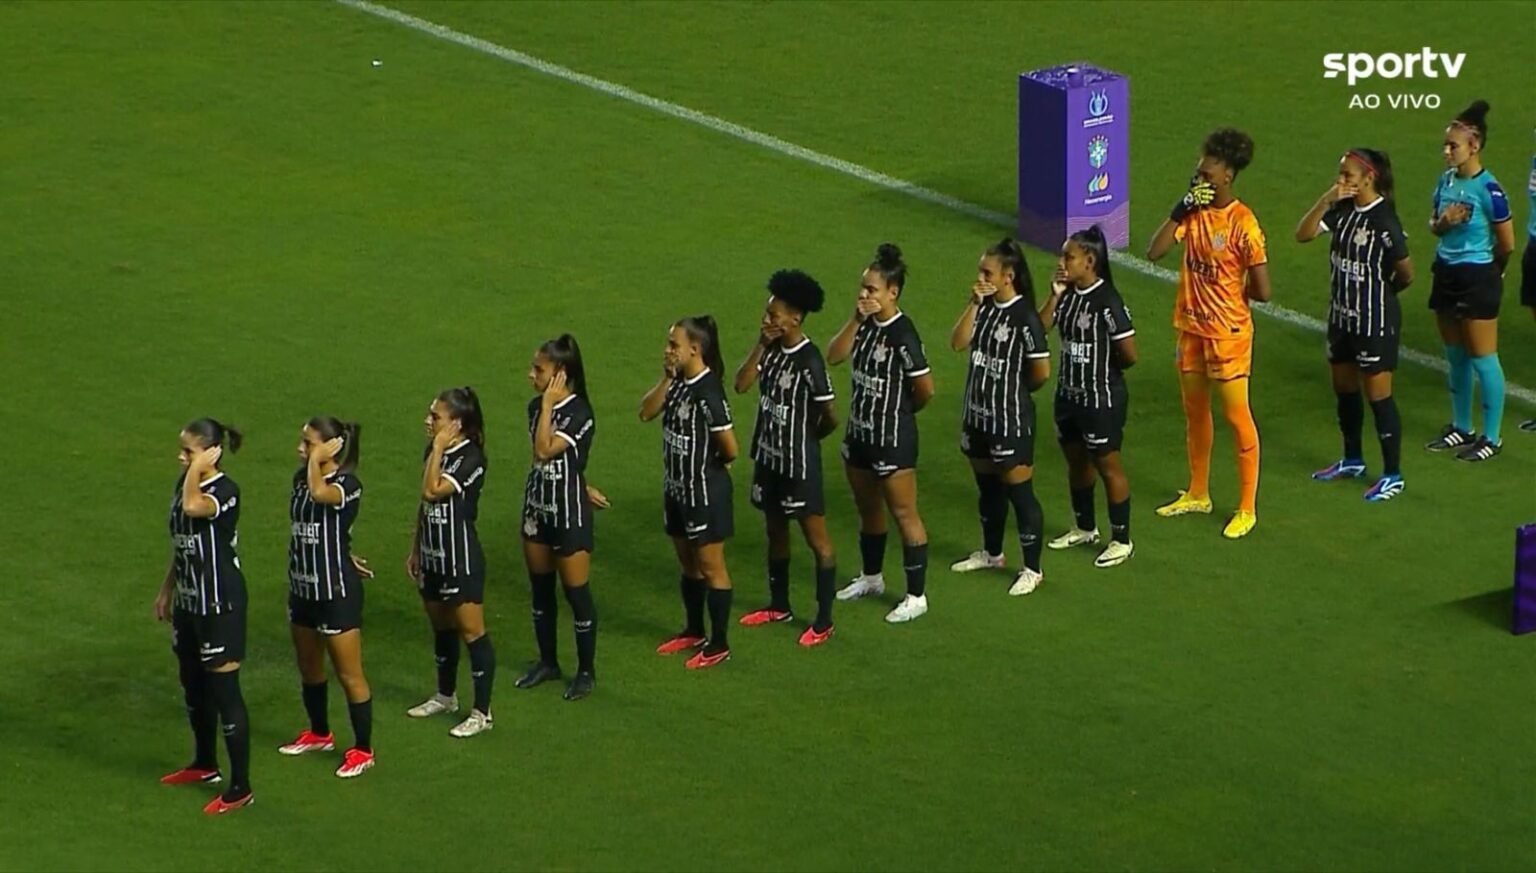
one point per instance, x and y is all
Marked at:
(224, 209)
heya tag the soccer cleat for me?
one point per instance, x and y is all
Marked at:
(1184, 504)
(580, 686)
(1240, 525)
(1074, 537)
(978, 560)
(681, 643)
(309, 741)
(1386, 488)
(704, 659)
(1481, 449)
(1452, 437)
(766, 616)
(909, 608)
(1114, 554)
(1345, 469)
(538, 674)
(862, 586)
(433, 705)
(354, 763)
(190, 775)
(814, 637)
(1529, 425)
(1027, 580)
(219, 806)
(478, 722)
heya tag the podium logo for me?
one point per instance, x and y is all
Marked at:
(1098, 103)
(1098, 151)
(1098, 184)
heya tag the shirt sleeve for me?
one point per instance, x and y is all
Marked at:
(715, 408)
(226, 497)
(1035, 345)
(1434, 203)
(1393, 240)
(578, 427)
(1181, 229)
(1330, 218)
(1118, 319)
(1254, 249)
(351, 490)
(914, 359)
(1498, 203)
(816, 370)
(469, 471)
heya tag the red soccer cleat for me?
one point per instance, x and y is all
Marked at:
(309, 741)
(189, 775)
(354, 763)
(219, 806)
(680, 643)
(814, 637)
(704, 660)
(766, 616)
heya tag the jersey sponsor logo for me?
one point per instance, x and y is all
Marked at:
(868, 382)
(778, 411)
(309, 532)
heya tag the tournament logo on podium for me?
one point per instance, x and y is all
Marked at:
(1074, 156)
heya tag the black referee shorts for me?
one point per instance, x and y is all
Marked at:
(452, 590)
(1372, 354)
(1006, 452)
(1100, 431)
(777, 495)
(1469, 291)
(563, 541)
(1528, 274)
(883, 461)
(210, 640)
(328, 617)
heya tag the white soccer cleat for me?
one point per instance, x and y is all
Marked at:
(909, 608)
(1115, 553)
(1027, 580)
(433, 705)
(862, 586)
(977, 560)
(1074, 537)
(478, 722)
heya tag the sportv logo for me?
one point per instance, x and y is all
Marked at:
(1390, 65)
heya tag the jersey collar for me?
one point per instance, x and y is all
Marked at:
(889, 321)
(1016, 299)
(697, 376)
(212, 479)
(563, 402)
(1370, 206)
(798, 346)
(1090, 289)
(455, 447)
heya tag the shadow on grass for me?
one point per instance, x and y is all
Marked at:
(1492, 607)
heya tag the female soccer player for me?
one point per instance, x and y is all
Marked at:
(446, 559)
(1009, 362)
(325, 587)
(1528, 267)
(795, 412)
(204, 599)
(698, 444)
(1472, 219)
(1369, 267)
(557, 511)
(891, 382)
(1224, 267)
(1098, 343)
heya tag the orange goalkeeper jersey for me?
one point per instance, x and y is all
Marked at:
(1220, 245)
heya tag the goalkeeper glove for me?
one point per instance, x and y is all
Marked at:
(1199, 196)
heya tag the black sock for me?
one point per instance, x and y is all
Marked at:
(362, 723)
(778, 584)
(546, 611)
(315, 704)
(1351, 419)
(1120, 521)
(1031, 520)
(693, 605)
(719, 617)
(1389, 428)
(992, 506)
(872, 549)
(584, 614)
(202, 715)
(445, 645)
(914, 559)
(1082, 508)
(826, 595)
(482, 669)
(237, 731)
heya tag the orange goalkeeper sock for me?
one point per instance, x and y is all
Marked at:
(1245, 436)
(1199, 433)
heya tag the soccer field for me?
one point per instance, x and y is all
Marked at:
(227, 209)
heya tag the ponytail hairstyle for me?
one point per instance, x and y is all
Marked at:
(798, 291)
(702, 331)
(1379, 166)
(1011, 255)
(1092, 240)
(329, 427)
(1475, 119)
(1230, 146)
(890, 266)
(464, 406)
(563, 352)
(211, 432)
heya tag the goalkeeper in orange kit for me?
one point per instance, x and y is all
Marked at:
(1222, 270)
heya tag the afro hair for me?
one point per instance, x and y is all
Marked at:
(1230, 146)
(797, 289)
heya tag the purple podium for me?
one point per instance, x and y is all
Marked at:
(1074, 154)
(1524, 618)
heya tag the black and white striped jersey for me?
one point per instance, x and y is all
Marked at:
(792, 383)
(206, 567)
(1367, 241)
(1091, 320)
(320, 539)
(1007, 338)
(450, 545)
(886, 357)
(695, 410)
(556, 491)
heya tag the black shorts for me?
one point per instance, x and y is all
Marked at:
(1006, 452)
(883, 461)
(1100, 431)
(210, 640)
(328, 617)
(1470, 291)
(1372, 354)
(452, 590)
(1528, 274)
(564, 541)
(703, 523)
(775, 494)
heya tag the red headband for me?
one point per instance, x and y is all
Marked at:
(1358, 156)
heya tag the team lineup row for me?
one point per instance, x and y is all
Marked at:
(1003, 329)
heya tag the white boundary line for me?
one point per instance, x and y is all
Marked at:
(873, 177)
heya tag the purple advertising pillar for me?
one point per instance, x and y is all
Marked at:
(1525, 580)
(1074, 154)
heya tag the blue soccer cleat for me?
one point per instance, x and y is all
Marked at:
(1386, 488)
(1345, 469)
